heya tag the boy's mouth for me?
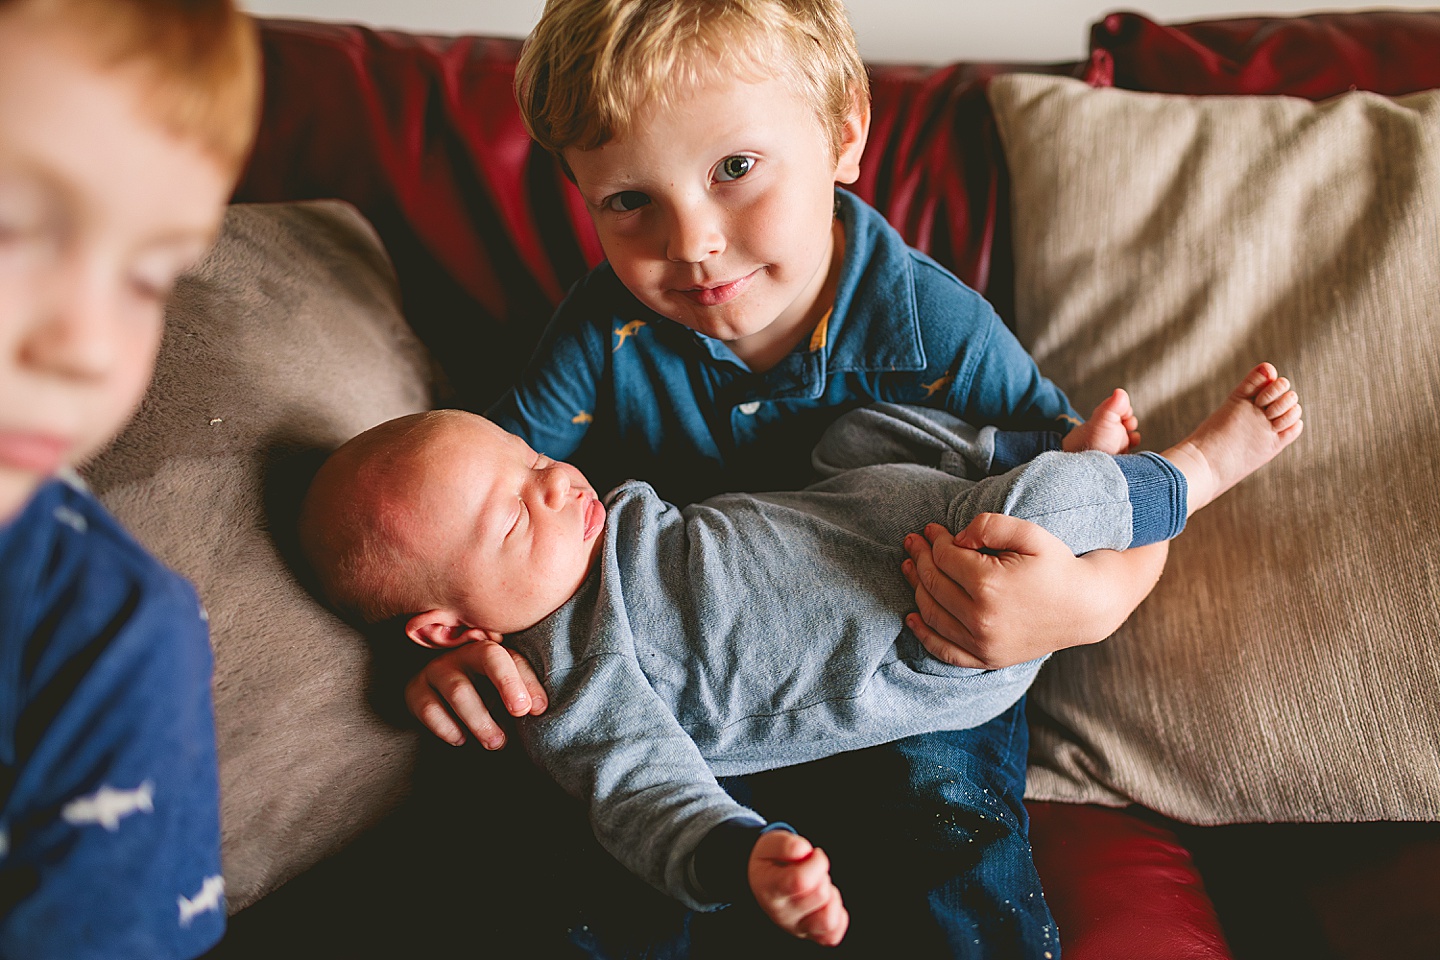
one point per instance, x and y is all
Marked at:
(711, 295)
(33, 452)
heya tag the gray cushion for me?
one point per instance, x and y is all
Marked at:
(287, 338)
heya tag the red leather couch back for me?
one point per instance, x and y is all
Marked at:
(423, 136)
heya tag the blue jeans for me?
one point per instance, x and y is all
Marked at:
(928, 843)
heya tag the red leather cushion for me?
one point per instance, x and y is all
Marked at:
(935, 168)
(1387, 51)
(1121, 886)
(423, 136)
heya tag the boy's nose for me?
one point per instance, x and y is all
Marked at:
(78, 331)
(695, 235)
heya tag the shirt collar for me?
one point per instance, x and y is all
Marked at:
(879, 325)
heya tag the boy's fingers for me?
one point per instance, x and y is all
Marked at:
(940, 648)
(935, 532)
(996, 531)
(943, 604)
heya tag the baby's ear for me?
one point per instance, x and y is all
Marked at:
(442, 629)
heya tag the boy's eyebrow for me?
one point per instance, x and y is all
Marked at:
(598, 192)
(61, 194)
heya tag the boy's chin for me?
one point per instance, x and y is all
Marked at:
(16, 489)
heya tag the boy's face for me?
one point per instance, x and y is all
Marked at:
(509, 533)
(717, 211)
(100, 210)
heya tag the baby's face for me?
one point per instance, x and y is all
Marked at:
(100, 210)
(511, 533)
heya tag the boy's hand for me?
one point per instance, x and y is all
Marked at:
(448, 681)
(1031, 598)
(791, 882)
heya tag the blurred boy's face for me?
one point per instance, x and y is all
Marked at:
(509, 534)
(718, 212)
(100, 210)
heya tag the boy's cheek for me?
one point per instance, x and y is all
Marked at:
(110, 408)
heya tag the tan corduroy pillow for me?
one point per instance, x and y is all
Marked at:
(1287, 667)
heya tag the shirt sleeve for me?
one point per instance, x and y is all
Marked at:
(609, 740)
(553, 404)
(992, 379)
(110, 838)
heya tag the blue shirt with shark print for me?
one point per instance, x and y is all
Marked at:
(109, 790)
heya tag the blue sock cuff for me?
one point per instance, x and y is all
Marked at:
(1157, 497)
(1014, 447)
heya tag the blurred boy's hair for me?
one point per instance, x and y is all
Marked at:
(200, 60)
(590, 64)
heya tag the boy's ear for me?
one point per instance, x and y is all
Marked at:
(442, 629)
(853, 135)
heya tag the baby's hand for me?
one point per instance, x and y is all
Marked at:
(448, 684)
(791, 882)
(1112, 428)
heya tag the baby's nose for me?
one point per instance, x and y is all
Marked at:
(556, 486)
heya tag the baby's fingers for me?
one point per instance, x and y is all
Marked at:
(424, 703)
(799, 888)
(503, 670)
(538, 702)
(827, 925)
(458, 691)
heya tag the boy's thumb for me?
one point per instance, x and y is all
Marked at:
(998, 533)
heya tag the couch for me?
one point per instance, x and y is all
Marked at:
(1249, 768)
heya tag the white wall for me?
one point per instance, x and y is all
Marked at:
(907, 30)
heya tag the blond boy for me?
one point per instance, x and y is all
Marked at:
(745, 303)
(123, 124)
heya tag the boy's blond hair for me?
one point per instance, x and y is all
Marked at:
(589, 65)
(200, 60)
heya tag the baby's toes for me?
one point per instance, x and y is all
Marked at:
(1282, 404)
(1287, 418)
(1272, 391)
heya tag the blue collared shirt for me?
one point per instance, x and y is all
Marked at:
(624, 392)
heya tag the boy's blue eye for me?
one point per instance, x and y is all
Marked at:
(626, 200)
(733, 168)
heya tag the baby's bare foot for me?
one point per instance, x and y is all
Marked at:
(1260, 418)
(1112, 428)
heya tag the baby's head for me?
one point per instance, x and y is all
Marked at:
(123, 126)
(447, 520)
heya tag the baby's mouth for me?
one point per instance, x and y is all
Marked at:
(594, 518)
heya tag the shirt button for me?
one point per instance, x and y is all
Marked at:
(750, 408)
